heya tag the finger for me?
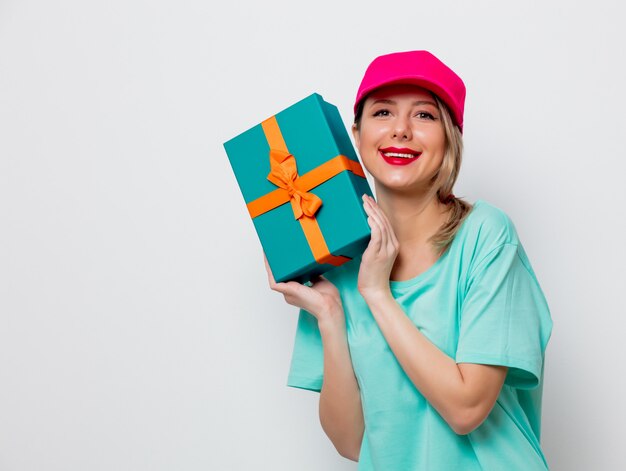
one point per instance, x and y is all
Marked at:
(375, 241)
(375, 213)
(291, 290)
(281, 287)
(288, 288)
(391, 236)
(270, 275)
(392, 240)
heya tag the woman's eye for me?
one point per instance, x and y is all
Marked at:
(382, 113)
(424, 114)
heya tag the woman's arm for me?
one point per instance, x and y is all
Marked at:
(341, 414)
(463, 394)
(340, 410)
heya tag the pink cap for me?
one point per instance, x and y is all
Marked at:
(418, 68)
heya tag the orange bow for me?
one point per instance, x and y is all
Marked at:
(284, 174)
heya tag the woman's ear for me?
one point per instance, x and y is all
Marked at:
(356, 136)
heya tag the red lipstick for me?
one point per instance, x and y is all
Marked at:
(389, 154)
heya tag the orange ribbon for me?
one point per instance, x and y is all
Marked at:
(295, 189)
(284, 174)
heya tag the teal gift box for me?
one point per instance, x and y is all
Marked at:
(303, 184)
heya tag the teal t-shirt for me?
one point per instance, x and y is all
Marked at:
(479, 303)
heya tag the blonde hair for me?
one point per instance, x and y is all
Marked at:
(444, 181)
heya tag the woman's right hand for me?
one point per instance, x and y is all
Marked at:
(321, 299)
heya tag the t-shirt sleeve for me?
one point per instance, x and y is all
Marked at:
(505, 319)
(307, 361)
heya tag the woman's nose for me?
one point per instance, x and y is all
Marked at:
(401, 128)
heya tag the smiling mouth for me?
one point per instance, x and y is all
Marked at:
(401, 155)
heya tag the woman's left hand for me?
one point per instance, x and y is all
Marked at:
(381, 253)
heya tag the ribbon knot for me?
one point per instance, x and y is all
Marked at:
(284, 174)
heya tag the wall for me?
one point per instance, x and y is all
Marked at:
(137, 329)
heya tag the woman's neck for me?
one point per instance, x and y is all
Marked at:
(413, 217)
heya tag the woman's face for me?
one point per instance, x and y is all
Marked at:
(405, 120)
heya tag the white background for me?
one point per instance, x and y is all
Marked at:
(137, 329)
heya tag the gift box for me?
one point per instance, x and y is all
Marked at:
(302, 184)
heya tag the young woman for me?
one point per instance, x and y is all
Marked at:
(428, 350)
